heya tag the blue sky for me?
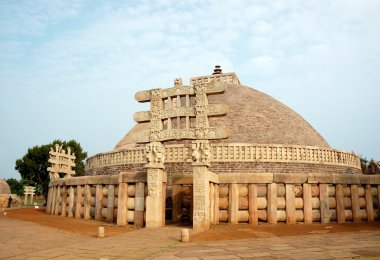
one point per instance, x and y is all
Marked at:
(69, 69)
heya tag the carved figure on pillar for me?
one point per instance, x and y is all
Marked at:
(201, 152)
(54, 175)
(155, 154)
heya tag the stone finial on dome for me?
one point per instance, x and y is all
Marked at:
(217, 70)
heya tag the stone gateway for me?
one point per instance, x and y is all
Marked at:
(215, 151)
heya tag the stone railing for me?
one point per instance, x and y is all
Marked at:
(282, 153)
(135, 155)
(235, 152)
(174, 153)
(117, 198)
(177, 153)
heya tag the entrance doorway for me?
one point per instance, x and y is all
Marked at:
(182, 204)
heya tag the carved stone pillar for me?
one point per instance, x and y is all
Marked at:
(201, 188)
(154, 205)
(155, 178)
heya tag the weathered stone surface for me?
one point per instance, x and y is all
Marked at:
(122, 204)
(307, 203)
(98, 202)
(374, 179)
(252, 204)
(154, 206)
(323, 178)
(324, 203)
(290, 177)
(245, 178)
(290, 204)
(340, 208)
(272, 203)
(233, 204)
(216, 204)
(369, 203)
(355, 179)
(356, 216)
(139, 207)
(201, 199)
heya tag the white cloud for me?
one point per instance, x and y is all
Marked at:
(262, 65)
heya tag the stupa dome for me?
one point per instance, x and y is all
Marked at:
(253, 117)
(4, 187)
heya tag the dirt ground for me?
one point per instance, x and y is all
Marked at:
(216, 232)
(79, 226)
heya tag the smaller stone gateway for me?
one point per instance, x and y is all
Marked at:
(222, 153)
(29, 191)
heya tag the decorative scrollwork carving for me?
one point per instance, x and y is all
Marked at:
(199, 217)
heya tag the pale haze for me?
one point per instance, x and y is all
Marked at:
(70, 69)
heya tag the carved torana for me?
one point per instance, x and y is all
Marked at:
(61, 162)
(172, 105)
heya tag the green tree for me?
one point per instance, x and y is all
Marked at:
(17, 186)
(33, 165)
(369, 166)
(364, 165)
